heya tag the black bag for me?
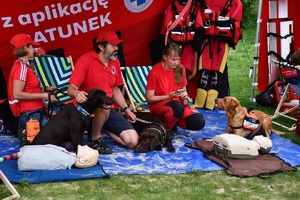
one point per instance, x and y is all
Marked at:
(268, 97)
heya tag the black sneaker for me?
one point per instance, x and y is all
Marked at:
(100, 146)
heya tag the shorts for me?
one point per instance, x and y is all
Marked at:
(116, 123)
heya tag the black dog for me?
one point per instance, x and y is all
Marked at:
(71, 122)
(152, 133)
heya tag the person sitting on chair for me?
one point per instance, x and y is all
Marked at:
(26, 98)
(101, 69)
(166, 92)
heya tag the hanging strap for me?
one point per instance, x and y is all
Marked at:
(226, 8)
(186, 7)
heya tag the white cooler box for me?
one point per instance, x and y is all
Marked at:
(234, 146)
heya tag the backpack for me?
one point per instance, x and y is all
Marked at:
(268, 97)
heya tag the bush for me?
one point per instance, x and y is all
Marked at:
(250, 8)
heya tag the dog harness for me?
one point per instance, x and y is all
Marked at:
(82, 110)
(162, 132)
(250, 122)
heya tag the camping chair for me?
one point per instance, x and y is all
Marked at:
(14, 192)
(287, 94)
(55, 71)
(135, 82)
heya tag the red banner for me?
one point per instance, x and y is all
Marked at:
(71, 25)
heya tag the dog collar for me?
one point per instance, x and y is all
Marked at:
(82, 110)
(236, 114)
(162, 132)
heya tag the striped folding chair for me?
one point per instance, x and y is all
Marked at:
(135, 82)
(55, 71)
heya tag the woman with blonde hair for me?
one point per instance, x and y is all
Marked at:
(167, 95)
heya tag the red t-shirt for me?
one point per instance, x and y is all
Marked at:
(163, 81)
(23, 72)
(90, 73)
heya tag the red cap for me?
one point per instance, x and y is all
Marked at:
(20, 40)
(108, 36)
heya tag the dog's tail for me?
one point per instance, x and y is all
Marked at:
(277, 132)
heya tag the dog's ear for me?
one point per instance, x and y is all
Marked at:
(100, 97)
(235, 103)
(230, 106)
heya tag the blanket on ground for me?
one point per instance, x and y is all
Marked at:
(127, 161)
(262, 166)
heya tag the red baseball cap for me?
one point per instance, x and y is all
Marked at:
(20, 40)
(108, 36)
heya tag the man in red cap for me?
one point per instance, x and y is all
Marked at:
(25, 96)
(101, 69)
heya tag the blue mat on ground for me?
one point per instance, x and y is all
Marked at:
(10, 145)
(127, 161)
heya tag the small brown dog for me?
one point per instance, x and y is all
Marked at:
(152, 133)
(243, 122)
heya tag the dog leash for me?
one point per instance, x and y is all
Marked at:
(143, 121)
(147, 122)
(219, 120)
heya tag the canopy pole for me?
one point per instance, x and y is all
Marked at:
(253, 69)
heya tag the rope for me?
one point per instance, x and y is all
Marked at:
(51, 105)
(219, 120)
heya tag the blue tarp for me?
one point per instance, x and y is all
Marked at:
(127, 161)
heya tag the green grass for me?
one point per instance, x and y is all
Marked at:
(194, 185)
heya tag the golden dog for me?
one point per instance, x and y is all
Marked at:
(236, 118)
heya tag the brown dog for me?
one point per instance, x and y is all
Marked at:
(152, 132)
(238, 119)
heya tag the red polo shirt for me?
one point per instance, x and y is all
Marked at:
(23, 72)
(90, 73)
(163, 81)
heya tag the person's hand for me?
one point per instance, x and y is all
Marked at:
(175, 94)
(45, 96)
(178, 93)
(53, 98)
(49, 88)
(185, 100)
(81, 96)
(130, 116)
